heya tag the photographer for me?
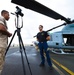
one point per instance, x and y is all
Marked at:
(4, 34)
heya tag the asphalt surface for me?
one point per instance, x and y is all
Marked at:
(13, 63)
(65, 60)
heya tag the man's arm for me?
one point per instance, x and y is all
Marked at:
(37, 39)
(48, 38)
(4, 30)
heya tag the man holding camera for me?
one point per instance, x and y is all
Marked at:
(4, 34)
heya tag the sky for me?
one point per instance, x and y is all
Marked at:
(32, 19)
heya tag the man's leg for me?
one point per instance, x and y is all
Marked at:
(47, 54)
(48, 59)
(41, 53)
(2, 58)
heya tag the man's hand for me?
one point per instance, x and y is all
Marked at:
(10, 34)
(48, 38)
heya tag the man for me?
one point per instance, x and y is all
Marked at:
(42, 37)
(4, 34)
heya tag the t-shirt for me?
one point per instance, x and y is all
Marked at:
(3, 38)
(41, 36)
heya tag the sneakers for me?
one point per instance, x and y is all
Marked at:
(42, 65)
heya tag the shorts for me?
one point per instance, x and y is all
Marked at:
(2, 57)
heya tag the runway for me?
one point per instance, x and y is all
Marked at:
(62, 64)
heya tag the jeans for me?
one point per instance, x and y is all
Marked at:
(43, 48)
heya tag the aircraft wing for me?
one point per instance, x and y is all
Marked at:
(38, 7)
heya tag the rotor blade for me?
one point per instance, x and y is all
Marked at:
(56, 27)
(38, 7)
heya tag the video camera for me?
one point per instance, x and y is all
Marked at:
(18, 11)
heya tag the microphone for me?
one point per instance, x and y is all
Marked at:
(12, 13)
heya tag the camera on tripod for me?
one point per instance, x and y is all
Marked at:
(21, 44)
(19, 11)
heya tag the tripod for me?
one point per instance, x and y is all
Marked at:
(21, 45)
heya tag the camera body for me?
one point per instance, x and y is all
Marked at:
(19, 11)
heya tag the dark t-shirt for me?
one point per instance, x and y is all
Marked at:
(41, 36)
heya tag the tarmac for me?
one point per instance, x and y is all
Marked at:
(13, 63)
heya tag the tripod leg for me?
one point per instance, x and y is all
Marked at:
(25, 53)
(20, 45)
(22, 58)
(10, 42)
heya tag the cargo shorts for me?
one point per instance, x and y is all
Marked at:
(2, 57)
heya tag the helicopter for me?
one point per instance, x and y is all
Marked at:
(56, 42)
